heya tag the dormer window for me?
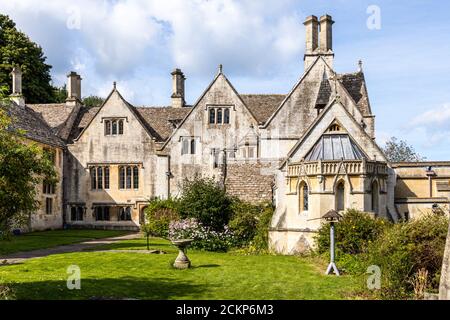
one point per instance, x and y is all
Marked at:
(219, 115)
(113, 127)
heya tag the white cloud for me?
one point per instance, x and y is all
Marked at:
(433, 118)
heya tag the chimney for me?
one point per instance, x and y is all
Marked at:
(312, 28)
(178, 88)
(16, 94)
(315, 47)
(73, 86)
(326, 34)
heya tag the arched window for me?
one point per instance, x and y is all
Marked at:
(303, 197)
(340, 196)
(375, 197)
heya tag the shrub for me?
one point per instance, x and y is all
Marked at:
(159, 214)
(205, 238)
(408, 251)
(244, 221)
(353, 233)
(261, 239)
(204, 200)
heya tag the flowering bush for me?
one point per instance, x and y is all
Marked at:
(205, 238)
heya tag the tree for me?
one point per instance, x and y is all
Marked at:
(16, 49)
(23, 164)
(93, 101)
(60, 94)
(147, 229)
(399, 151)
(207, 202)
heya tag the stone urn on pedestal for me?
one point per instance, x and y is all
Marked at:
(182, 261)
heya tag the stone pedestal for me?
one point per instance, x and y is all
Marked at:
(182, 261)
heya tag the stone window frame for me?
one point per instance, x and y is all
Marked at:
(77, 213)
(220, 113)
(114, 126)
(124, 214)
(99, 182)
(48, 206)
(102, 213)
(189, 145)
(48, 188)
(303, 194)
(128, 179)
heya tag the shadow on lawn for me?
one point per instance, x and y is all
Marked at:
(110, 289)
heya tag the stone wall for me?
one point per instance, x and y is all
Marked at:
(250, 181)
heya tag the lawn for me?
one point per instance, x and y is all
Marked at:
(150, 276)
(48, 239)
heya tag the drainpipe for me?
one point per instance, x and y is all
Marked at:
(168, 175)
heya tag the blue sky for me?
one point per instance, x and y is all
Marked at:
(260, 44)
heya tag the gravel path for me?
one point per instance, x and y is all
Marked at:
(18, 257)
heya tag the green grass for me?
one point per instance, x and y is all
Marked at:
(48, 239)
(151, 276)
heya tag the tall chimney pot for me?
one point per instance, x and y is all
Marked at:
(73, 86)
(178, 79)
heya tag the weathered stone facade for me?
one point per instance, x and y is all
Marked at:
(309, 150)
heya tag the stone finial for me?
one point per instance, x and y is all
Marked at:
(16, 95)
(360, 66)
(220, 68)
(114, 85)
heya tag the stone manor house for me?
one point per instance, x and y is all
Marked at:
(309, 150)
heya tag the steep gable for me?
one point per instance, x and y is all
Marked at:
(116, 106)
(335, 112)
(220, 92)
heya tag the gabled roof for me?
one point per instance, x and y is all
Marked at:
(262, 106)
(324, 94)
(219, 74)
(84, 117)
(25, 118)
(159, 121)
(314, 124)
(162, 120)
(355, 84)
(54, 114)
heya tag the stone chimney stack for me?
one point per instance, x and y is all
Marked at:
(319, 40)
(73, 86)
(312, 34)
(326, 34)
(178, 79)
(16, 94)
